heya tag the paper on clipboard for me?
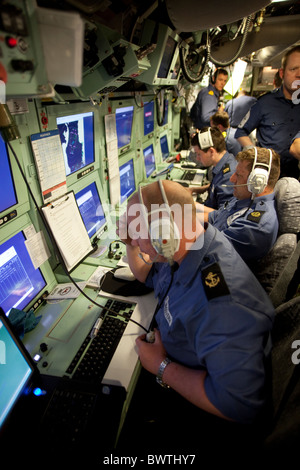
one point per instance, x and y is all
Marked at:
(48, 154)
(67, 227)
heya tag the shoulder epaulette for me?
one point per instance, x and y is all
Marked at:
(226, 168)
(255, 216)
(213, 282)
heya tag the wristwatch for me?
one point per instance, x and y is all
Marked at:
(160, 372)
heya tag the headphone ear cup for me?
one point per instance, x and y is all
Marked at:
(257, 180)
(164, 237)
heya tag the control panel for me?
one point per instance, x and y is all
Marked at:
(22, 66)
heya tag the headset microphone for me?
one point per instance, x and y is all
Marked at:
(233, 185)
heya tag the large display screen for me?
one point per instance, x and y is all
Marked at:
(149, 159)
(148, 117)
(8, 196)
(127, 181)
(90, 208)
(167, 57)
(124, 119)
(15, 371)
(77, 139)
(164, 147)
(20, 282)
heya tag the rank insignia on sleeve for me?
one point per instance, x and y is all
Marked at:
(255, 216)
(213, 282)
(226, 168)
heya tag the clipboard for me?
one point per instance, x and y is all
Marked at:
(67, 228)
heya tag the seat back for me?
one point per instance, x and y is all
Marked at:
(276, 269)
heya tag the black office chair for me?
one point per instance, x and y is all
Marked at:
(276, 270)
(283, 440)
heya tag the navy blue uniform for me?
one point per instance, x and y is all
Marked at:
(276, 120)
(205, 106)
(217, 317)
(252, 231)
(232, 145)
(238, 108)
(221, 174)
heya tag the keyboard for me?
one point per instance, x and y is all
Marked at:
(94, 355)
(68, 414)
(192, 176)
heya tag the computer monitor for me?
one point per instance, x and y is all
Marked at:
(148, 117)
(17, 369)
(164, 60)
(91, 210)
(8, 197)
(124, 120)
(149, 159)
(164, 146)
(127, 180)
(14, 200)
(20, 282)
(77, 139)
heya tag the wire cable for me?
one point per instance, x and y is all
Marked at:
(53, 241)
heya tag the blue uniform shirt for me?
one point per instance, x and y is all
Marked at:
(277, 120)
(238, 107)
(232, 145)
(221, 174)
(217, 317)
(205, 106)
(252, 231)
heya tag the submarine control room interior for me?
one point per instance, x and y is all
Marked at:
(95, 99)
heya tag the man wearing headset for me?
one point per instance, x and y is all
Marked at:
(207, 101)
(210, 147)
(249, 219)
(213, 318)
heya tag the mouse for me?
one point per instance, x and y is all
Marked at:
(150, 337)
(124, 273)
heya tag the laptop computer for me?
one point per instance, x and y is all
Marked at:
(68, 415)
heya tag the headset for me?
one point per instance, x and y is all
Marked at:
(258, 178)
(163, 231)
(205, 139)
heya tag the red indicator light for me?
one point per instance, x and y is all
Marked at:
(11, 42)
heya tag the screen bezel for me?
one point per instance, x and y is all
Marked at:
(23, 204)
(145, 147)
(115, 104)
(165, 135)
(84, 184)
(31, 365)
(121, 164)
(56, 111)
(7, 232)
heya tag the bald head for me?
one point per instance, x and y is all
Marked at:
(171, 202)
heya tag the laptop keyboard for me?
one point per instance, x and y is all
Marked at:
(68, 414)
(72, 404)
(188, 175)
(94, 355)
